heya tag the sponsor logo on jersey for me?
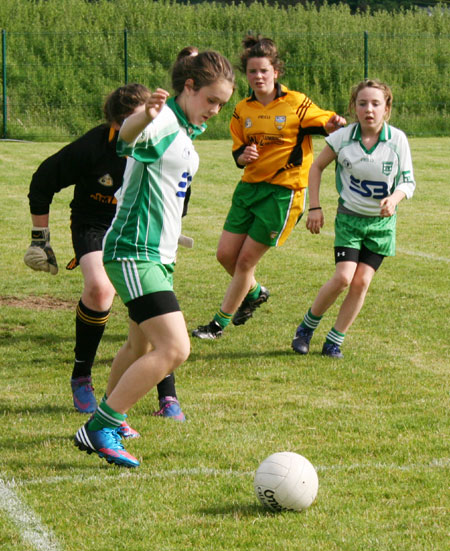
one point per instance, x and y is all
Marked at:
(186, 180)
(110, 199)
(387, 167)
(265, 139)
(106, 181)
(248, 122)
(280, 122)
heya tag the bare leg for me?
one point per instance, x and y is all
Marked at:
(243, 277)
(354, 300)
(171, 346)
(136, 346)
(228, 249)
(330, 291)
(98, 291)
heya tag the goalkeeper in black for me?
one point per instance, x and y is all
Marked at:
(92, 166)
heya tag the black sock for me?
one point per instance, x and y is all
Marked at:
(167, 387)
(89, 328)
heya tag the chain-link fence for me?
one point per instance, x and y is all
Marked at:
(54, 83)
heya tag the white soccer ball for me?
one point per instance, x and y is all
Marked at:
(286, 481)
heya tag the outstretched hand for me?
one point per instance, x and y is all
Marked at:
(156, 102)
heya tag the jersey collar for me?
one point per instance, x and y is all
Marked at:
(192, 130)
(280, 91)
(385, 133)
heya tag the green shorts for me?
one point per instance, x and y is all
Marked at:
(374, 232)
(136, 278)
(266, 212)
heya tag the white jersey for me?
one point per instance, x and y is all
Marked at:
(161, 164)
(365, 177)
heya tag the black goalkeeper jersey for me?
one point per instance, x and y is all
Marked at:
(92, 165)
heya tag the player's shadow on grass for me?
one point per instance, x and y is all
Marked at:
(7, 408)
(249, 353)
(236, 510)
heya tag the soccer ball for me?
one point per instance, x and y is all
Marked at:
(286, 481)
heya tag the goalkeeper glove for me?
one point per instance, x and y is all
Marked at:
(40, 255)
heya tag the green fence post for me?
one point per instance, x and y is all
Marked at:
(366, 55)
(4, 98)
(125, 54)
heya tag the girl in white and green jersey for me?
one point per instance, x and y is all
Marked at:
(141, 243)
(374, 173)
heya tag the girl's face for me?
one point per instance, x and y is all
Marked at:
(200, 105)
(371, 109)
(261, 75)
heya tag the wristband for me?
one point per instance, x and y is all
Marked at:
(314, 208)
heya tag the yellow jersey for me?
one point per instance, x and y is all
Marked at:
(282, 132)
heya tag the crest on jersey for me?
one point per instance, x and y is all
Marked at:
(280, 122)
(106, 181)
(347, 164)
(387, 168)
(248, 122)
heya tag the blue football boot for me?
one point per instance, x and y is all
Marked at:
(105, 443)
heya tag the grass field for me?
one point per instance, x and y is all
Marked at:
(375, 425)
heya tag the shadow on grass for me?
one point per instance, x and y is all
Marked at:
(248, 353)
(8, 408)
(237, 510)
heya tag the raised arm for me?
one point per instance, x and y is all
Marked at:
(136, 122)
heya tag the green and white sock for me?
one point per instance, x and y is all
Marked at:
(310, 321)
(335, 336)
(106, 417)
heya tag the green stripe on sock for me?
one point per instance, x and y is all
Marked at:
(106, 417)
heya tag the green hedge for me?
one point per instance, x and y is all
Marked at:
(64, 56)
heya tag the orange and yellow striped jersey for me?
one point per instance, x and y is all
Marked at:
(282, 131)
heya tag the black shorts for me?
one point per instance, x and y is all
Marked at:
(342, 254)
(149, 306)
(87, 238)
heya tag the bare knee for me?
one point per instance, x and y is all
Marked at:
(341, 281)
(227, 260)
(98, 297)
(135, 349)
(181, 352)
(360, 283)
(173, 354)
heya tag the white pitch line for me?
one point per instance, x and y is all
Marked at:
(417, 254)
(424, 255)
(29, 524)
(441, 463)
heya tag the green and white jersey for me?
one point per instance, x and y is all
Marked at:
(161, 164)
(365, 177)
